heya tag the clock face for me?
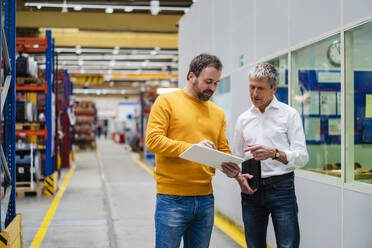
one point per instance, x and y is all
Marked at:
(334, 53)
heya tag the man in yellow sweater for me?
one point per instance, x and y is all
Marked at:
(185, 202)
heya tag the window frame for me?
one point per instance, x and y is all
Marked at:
(346, 181)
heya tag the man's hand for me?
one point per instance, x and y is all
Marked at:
(260, 152)
(207, 143)
(230, 169)
(243, 182)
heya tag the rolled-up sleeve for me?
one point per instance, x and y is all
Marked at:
(297, 155)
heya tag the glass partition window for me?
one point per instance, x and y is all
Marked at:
(282, 64)
(315, 92)
(358, 79)
(222, 98)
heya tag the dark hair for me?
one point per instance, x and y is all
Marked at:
(202, 61)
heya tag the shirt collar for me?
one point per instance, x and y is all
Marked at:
(273, 104)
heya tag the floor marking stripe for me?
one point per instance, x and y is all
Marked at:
(38, 239)
(230, 231)
(143, 166)
(107, 202)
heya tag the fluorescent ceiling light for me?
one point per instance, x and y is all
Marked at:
(108, 50)
(78, 8)
(160, 91)
(106, 91)
(154, 6)
(109, 10)
(64, 7)
(128, 9)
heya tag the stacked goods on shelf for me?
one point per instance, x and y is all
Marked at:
(26, 70)
(30, 132)
(33, 148)
(84, 128)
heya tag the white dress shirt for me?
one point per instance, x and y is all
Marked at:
(279, 127)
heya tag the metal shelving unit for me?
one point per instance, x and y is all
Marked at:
(46, 45)
(65, 120)
(9, 111)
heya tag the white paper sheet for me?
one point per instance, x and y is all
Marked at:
(328, 103)
(311, 103)
(312, 128)
(208, 156)
(334, 126)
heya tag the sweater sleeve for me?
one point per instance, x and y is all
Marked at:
(156, 134)
(223, 144)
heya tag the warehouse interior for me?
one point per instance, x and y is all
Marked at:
(79, 79)
(86, 75)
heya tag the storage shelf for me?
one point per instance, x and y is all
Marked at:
(85, 114)
(32, 88)
(31, 132)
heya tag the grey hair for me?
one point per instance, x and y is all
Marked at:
(263, 70)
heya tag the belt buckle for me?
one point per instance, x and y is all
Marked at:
(264, 182)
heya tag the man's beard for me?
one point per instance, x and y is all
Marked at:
(202, 95)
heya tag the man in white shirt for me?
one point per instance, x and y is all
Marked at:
(271, 132)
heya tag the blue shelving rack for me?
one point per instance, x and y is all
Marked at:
(8, 109)
(49, 77)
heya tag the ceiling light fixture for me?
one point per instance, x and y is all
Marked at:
(109, 10)
(77, 8)
(64, 7)
(78, 50)
(128, 9)
(115, 51)
(160, 91)
(154, 6)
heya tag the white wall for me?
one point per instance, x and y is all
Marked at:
(330, 216)
(107, 107)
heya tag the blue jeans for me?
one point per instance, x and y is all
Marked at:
(190, 217)
(279, 200)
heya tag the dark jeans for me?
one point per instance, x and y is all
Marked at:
(190, 217)
(279, 200)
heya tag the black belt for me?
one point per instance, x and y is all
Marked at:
(276, 179)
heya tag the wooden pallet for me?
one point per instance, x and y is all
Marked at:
(27, 80)
(27, 126)
(88, 146)
(24, 189)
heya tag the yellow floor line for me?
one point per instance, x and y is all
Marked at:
(230, 231)
(143, 166)
(98, 154)
(38, 239)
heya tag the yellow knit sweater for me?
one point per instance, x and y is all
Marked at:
(177, 121)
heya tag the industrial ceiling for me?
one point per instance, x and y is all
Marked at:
(109, 44)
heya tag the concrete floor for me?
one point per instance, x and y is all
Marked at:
(109, 202)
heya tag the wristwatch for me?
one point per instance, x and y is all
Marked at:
(277, 154)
